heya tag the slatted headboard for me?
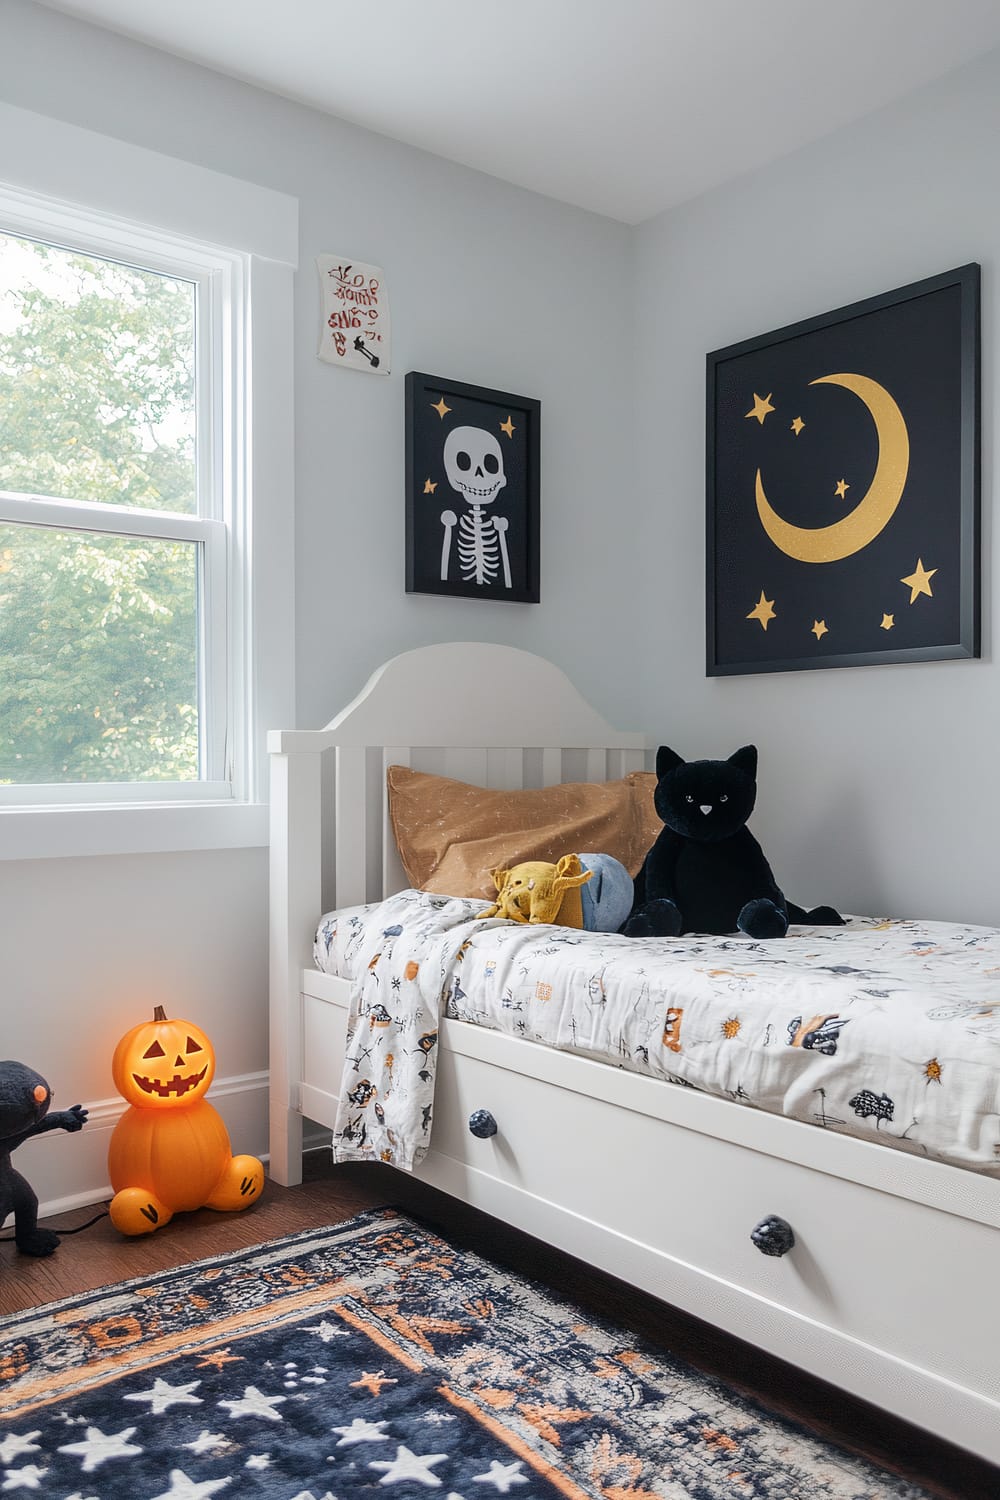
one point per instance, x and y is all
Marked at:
(491, 715)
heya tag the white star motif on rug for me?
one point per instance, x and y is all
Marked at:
(183, 1488)
(253, 1403)
(326, 1331)
(207, 1441)
(162, 1395)
(361, 1431)
(97, 1447)
(12, 1445)
(77, 1496)
(24, 1479)
(407, 1465)
(258, 1461)
(502, 1475)
(437, 1417)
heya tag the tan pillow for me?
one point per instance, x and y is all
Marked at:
(450, 834)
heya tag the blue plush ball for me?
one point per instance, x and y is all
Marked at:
(607, 897)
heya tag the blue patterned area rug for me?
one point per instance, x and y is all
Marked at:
(373, 1359)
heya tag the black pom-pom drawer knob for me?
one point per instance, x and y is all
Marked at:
(482, 1123)
(773, 1236)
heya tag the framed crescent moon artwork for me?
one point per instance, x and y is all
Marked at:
(843, 486)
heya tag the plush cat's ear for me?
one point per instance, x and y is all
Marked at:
(666, 760)
(745, 760)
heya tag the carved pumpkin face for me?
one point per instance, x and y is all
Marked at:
(163, 1064)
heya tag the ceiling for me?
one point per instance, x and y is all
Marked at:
(624, 108)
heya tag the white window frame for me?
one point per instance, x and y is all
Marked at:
(141, 209)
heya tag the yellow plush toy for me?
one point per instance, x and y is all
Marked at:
(541, 892)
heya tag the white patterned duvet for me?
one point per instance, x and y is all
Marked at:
(884, 1029)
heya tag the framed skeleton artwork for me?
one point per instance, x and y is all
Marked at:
(472, 491)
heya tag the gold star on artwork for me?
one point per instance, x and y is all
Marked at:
(819, 629)
(731, 1027)
(373, 1383)
(761, 407)
(932, 1071)
(919, 581)
(508, 427)
(888, 621)
(797, 426)
(841, 488)
(440, 407)
(763, 611)
(430, 485)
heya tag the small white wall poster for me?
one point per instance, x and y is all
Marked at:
(355, 310)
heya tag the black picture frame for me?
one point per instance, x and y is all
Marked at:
(883, 397)
(470, 556)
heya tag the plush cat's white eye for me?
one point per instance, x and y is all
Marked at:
(689, 798)
(724, 797)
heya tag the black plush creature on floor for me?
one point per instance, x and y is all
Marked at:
(24, 1103)
(706, 872)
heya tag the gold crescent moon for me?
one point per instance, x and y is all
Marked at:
(870, 515)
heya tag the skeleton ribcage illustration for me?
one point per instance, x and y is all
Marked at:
(478, 546)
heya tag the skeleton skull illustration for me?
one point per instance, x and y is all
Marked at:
(473, 461)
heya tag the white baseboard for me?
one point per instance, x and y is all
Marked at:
(70, 1171)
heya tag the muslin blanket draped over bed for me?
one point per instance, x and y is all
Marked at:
(884, 1029)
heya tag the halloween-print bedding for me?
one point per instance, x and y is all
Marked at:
(884, 1029)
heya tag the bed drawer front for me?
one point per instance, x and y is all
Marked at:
(885, 1271)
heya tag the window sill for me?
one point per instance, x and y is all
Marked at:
(143, 828)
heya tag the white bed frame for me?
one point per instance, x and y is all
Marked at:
(892, 1289)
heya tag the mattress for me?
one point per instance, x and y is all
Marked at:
(884, 1029)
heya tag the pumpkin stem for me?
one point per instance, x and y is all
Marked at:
(159, 1014)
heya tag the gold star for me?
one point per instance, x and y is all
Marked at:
(797, 426)
(761, 407)
(819, 629)
(932, 1071)
(373, 1383)
(508, 427)
(219, 1358)
(841, 488)
(440, 407)
(919, 581)
(430, 485)
(763, 611)
(888, 621)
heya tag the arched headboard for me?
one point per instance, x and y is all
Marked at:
(492, 715)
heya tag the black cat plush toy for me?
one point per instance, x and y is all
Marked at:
(706, 872)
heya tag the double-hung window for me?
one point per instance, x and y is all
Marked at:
(132, 506)
(116, 508)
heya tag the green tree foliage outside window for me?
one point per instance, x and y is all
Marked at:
(98, 633)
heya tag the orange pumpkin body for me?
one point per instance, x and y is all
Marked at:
(170, 1151)
(179, 1154)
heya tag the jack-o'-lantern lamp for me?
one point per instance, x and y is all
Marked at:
(170, 1151)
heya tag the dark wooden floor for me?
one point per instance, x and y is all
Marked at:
(99, 1255)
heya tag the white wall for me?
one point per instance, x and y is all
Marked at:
(91, 946)
(878, 786)
(488, 284)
